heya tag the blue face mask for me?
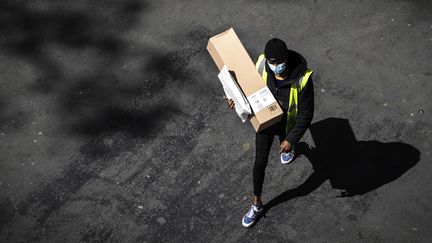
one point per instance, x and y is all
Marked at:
(277, 69)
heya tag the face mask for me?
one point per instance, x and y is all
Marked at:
(277, 69)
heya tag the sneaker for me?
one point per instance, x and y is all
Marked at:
(251, 216)
(287, 157)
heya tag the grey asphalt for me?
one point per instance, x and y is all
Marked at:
(113, 127)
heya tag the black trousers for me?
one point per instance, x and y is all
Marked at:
(263, 142)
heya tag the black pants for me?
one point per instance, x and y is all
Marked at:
(263, 142)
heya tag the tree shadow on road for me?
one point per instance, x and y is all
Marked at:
(94, 75)
(354, 167)
(73, 48)
(99, 83)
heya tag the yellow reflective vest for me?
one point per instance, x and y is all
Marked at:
(296, 88)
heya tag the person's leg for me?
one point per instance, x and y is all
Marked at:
(262, 149)
(263, 144)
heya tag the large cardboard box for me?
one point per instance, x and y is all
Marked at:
(227, 49)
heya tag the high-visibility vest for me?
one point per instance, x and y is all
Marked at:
(296, 88)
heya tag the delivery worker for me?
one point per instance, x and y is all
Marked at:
(288, 78)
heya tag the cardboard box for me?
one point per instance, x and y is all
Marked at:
(227, 49)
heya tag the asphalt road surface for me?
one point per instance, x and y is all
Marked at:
(113, 127)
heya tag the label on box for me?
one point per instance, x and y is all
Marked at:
(261, 99)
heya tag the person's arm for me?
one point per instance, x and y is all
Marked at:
(305, 115)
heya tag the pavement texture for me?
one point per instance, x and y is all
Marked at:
(113, 127)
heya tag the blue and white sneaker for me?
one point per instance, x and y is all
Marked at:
(251, 216)
(286, 158)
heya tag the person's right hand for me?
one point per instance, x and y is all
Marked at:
(230, 102)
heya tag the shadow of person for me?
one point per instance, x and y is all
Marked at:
(354, 167)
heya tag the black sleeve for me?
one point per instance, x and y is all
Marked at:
(305, 115)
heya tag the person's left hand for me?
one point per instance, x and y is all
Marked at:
(285, 146)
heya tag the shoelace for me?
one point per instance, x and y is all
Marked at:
(251, 212)
(287, 156)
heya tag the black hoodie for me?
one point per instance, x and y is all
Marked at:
(295, 68)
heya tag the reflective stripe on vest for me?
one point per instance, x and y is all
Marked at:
(260, 66)
(296, 88)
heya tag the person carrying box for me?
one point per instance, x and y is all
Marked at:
(289, 80)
